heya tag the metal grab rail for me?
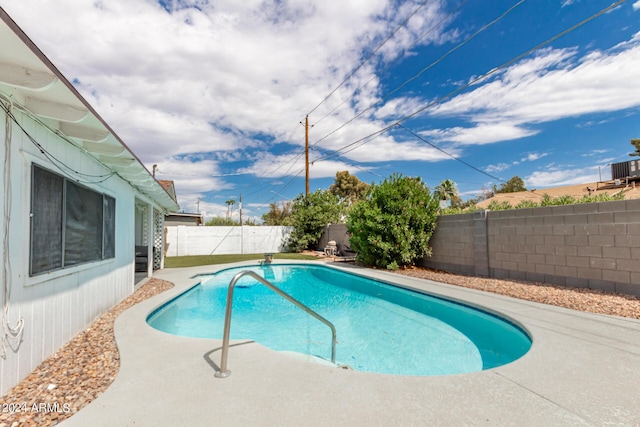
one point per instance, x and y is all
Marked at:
(224, 372)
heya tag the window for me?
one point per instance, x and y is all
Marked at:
(70, 224)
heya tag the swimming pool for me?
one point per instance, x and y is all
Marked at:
(380, 327)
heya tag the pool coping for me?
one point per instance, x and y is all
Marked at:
(582, 369)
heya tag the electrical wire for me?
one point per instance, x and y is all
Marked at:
(389, 37)
(275, 169)
(477, 79)
(292, 163)
(9, 332)
(423, 70)
(450, 155)
(158, 171)
(60, 165)
(429, 31)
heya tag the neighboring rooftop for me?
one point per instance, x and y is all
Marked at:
(181, 218)
(169, 188)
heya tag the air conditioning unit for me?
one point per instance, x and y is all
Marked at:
(623, 170)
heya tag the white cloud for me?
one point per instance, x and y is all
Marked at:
(531, 157)
(209, 78)
(272, 166)
(550, 86)
(191, 175)
(497, 168)
(558, 177)
(482, 133)
(219, 85)
(500, 167)
(593, 153)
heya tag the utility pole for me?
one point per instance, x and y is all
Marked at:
(198, 205)
(154, 170)
(306, 153)
(240, 209)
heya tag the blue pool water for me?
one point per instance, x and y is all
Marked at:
(380, 328)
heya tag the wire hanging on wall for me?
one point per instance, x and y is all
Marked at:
(9, 333)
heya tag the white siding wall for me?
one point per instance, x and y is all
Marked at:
(58, 305)
(188, 240)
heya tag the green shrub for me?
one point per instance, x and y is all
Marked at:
(456, 210)
(309, 215)
(526, 204)
(546, 200)
(604, 197)
(564, 200)
(499, 206)
(391, 228)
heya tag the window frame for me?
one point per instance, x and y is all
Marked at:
(108, 230)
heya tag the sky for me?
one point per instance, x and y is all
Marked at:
(216, 93)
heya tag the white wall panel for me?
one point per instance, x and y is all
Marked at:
(188, 240)
(57, 306)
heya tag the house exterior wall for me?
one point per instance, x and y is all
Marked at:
(55, 306)
(187, 240)
(594, 245)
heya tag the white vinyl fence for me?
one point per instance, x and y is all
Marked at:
(189, 240)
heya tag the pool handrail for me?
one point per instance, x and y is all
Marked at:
(224, 372)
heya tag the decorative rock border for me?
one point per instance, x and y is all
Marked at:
(82, 369)
(74, 376)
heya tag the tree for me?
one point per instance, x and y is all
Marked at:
(229, 203)
(348, 188)
(309, 215)
(515, 184)
(392, 226)
(278, 215)
(636, 145)
(447, 190)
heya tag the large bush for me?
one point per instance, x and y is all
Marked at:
(309, 215)
(392, 226)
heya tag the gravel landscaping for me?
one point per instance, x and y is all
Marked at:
(74, 376)
(582, 299)
(88, 364)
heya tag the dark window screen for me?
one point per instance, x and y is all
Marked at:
(83, 228)
(70, 224)
(109, 227)
(46, 221)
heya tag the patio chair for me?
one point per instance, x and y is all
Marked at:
(142, 258)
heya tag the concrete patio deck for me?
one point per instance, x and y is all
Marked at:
(583, 369)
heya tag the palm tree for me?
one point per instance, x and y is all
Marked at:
(229, 203)
(447, 190)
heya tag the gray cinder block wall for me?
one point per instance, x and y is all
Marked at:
(595, 245)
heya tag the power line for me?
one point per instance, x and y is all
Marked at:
(429, 31)
(420, 6)
(423, 70)
(450, 155)
(202, 175)
(476, 80)
(293, 163)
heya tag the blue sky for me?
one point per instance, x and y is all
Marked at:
(214, 92)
